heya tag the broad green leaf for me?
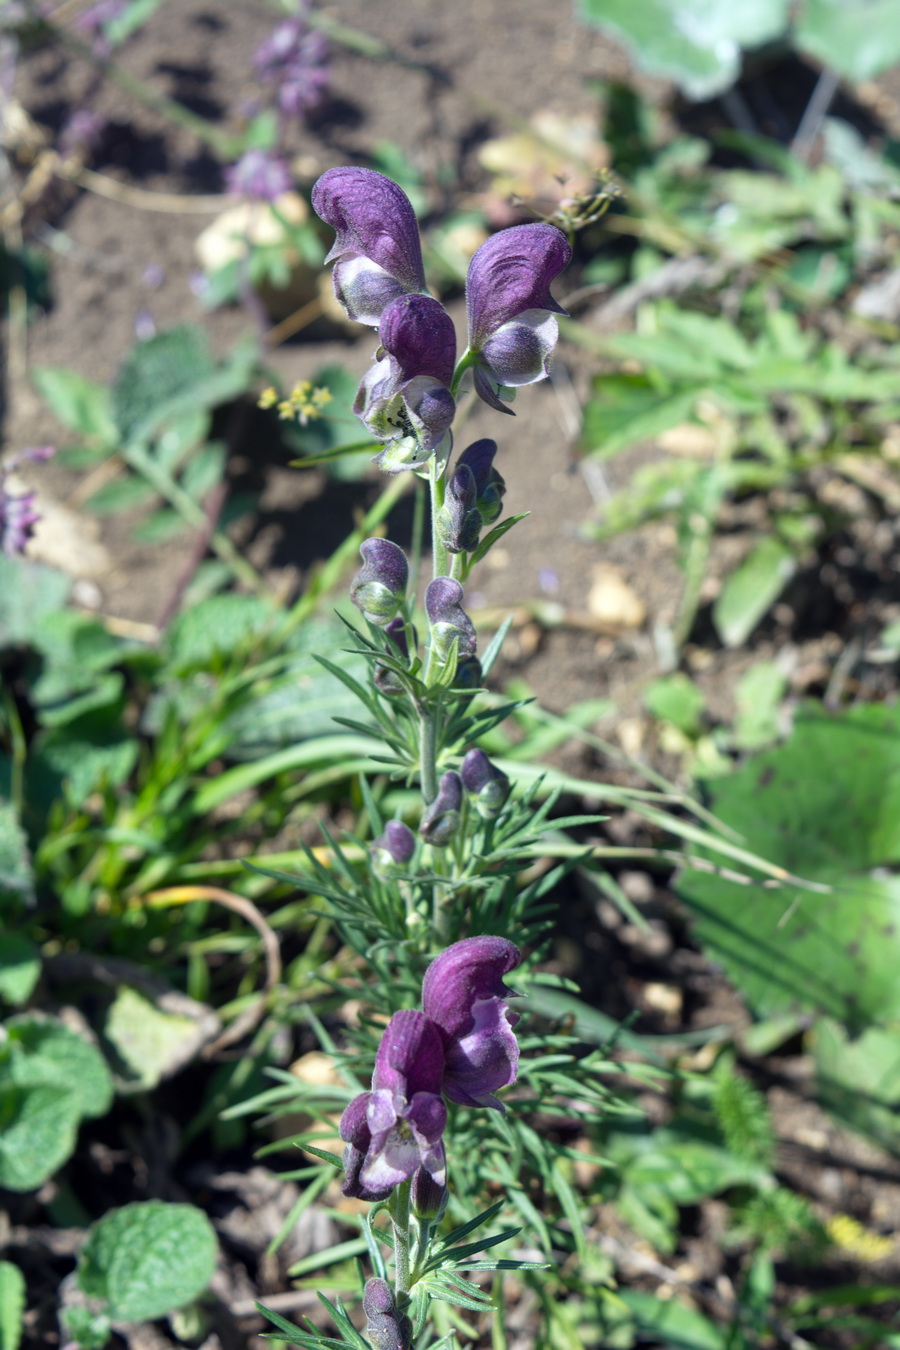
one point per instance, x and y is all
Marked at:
(20, 967)
(44, 1053)
(79, 403)
(28, 591)
(751, 589)
(12, 1305)
(174, 373)
(38, 1127)
(858, 38)
(859, 1080)
(696, 42)
(150, 1042)
(90, 750)
(147, 1259)
(160, 527)
(826, 807)
(180, 435)
(16, 877)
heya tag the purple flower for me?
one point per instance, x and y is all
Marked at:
(260, 174)
(18, 516)
(489, 486)
(459, 521)
(485, 782)
(294, 60)
(393, 850)
(379, 587)
(512, 330)
(379, 256)
(449, 621)
(404, 398)
(386, 1327)
(441, 820)
(464, 995)
(399, 1125)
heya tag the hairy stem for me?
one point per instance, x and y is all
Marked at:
(440, 557)
(399, 1211)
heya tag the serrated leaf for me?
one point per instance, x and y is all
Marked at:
(150, 1041)
(12, 1305)
(147, 1259)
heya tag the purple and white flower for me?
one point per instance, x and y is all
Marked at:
(399, 1125)
(512, 331)
(404, 398)
(464, 995)
(377, 250)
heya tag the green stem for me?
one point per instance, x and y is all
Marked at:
(428, 753)
(143, 463)
(439, 555)
(399, 1211)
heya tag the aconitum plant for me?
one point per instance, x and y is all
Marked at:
(437, 911)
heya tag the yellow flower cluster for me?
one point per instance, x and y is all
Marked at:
(845, 1232)
(304, 403)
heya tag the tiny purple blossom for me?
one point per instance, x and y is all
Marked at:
(293, 60)
(441, 820)
(511, 327)
(260, 174)
(18, 516)
(377, 248)
(489, 485)
(464, 995)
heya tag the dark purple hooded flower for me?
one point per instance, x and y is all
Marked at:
(378, 252)
(464, 995)
(404, 398)
(448, 620)
(441, 820)
(512, 330)
(379, 587)
(489, 485)
(399, 1125)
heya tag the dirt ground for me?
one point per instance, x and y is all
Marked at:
(491, 63)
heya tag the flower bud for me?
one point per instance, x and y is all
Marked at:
(441, 819)
(386, 680)
(468, 673)
(449, 621)
(489, 486)
(483, 781)
(386, 1327)
(458, 522)
(393, 850)
(379, 588)
(427, 1197)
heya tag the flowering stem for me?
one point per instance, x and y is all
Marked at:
(439, 555)
(428, 754)
(467, 359)
(398, 1206)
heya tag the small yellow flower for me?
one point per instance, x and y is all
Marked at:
(850, 1236)
(304, 403)
(268, 398)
